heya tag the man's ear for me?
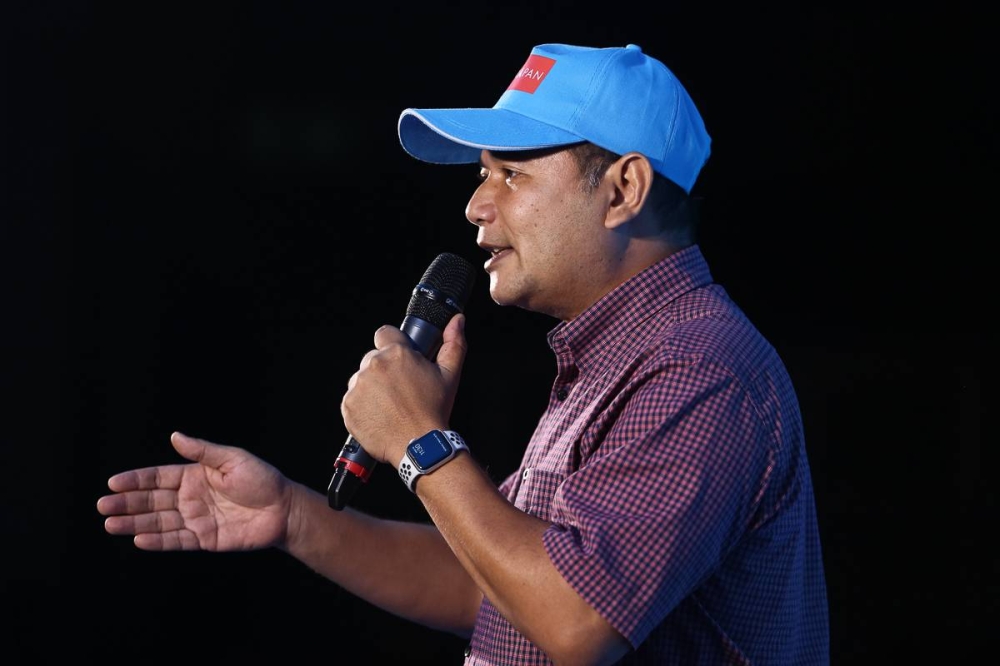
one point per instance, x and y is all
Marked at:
(631, 178)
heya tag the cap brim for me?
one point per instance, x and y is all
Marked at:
(456, 136)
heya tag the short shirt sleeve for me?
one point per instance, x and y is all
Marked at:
(651, 513)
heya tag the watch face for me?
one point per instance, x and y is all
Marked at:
(429, 450)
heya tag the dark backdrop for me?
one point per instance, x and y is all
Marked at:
(206, 215)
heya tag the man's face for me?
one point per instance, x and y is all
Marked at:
(549, 247)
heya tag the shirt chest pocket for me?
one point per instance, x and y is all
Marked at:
(535, 491)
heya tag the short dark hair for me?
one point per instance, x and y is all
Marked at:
(674, 207)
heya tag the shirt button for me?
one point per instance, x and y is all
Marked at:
(468, 650)
(562, 393)
(526, 473)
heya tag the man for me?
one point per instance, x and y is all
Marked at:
(663, 511)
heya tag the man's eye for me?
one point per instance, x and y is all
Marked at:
(508, 175)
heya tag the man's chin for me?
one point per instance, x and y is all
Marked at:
(500, 297)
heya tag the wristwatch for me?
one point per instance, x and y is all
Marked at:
(428, 452)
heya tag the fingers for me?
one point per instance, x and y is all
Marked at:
(151, 517)
(137, 502)
(169, 476)
(451, 356)
(145, 502)
(178, 540)
(147, 478)
(146, 523)
(387, 335)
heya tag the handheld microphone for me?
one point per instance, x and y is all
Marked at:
(440, 294)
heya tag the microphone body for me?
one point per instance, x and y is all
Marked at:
(440, 294)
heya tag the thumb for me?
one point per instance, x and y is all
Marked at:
(200, 450)
(451, 355)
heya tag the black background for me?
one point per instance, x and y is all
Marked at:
(206, 214)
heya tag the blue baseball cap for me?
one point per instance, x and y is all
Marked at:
(618, 98)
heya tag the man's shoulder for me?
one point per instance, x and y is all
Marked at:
(707, 326)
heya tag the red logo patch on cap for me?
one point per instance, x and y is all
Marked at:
(531, 74)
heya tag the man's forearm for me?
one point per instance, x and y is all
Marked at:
(404, 568)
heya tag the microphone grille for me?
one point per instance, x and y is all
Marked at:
(444, 289)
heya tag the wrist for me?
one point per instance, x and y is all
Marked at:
(297, 501)
(427, 453)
